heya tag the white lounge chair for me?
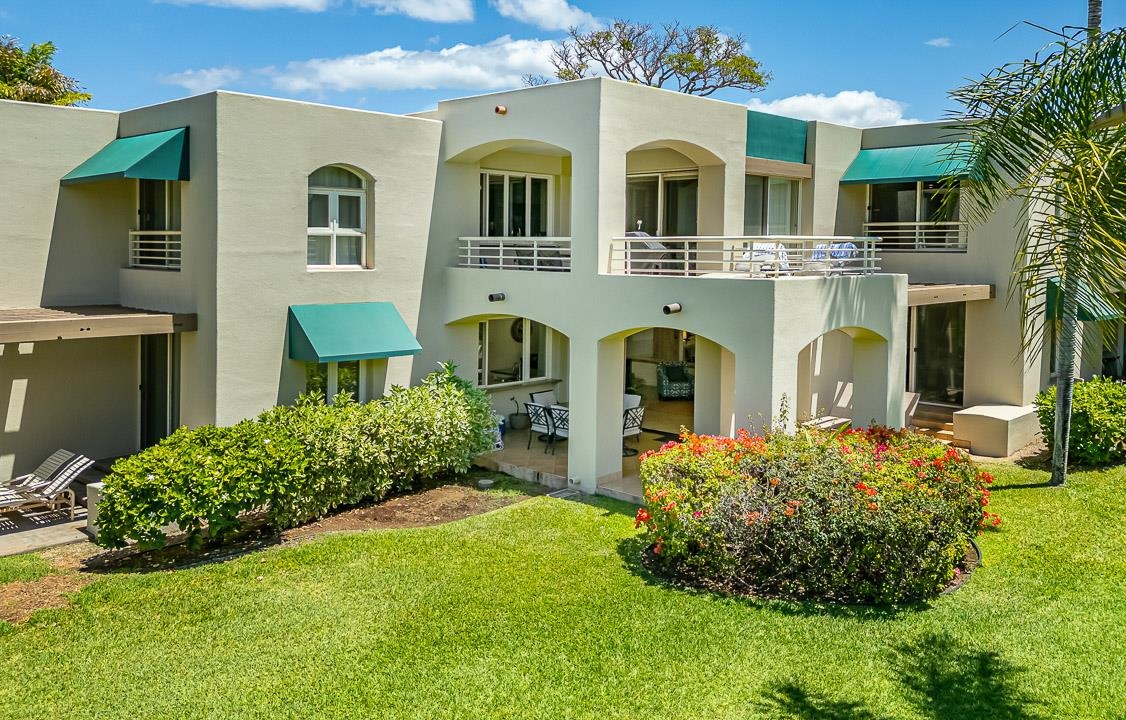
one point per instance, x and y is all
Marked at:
(41, 475)
(51, 495)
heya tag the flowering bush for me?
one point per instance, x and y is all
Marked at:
(295, 462)
(1098, 420)
(870, 515)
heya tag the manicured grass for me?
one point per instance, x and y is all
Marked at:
(23, 567)
(539, 611)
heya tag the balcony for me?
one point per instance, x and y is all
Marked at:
(765, 257)
(919, 236)
(536, 254)
(155, 249)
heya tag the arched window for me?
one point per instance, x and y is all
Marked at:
(337, 218)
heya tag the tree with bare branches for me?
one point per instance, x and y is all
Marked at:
(696, 60)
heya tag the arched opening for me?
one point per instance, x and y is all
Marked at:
(522, 193)
(673, 189)
(843, 378)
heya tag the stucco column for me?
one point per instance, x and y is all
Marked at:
(753, 406)
(714, 407)
(877, 381)
(597, 382)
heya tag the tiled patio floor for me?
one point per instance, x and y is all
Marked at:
(537, 463)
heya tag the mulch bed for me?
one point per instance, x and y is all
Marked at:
(77, 565)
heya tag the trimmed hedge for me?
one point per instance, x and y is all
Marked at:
(868, 516)
(1098, 421)
(296, 462)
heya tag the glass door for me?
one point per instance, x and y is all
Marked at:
(160, 382)
(680, 206)
(643, 204)
(938, 362)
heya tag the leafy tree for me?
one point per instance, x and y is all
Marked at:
(1048, 131)
(695, 60)
(28, 75)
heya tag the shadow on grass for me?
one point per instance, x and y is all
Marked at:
(632, 551)
(939, 677)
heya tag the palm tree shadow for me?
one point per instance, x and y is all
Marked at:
(945, 678)
(939, 677)
(789, 700)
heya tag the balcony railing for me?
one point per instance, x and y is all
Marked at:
(773, 256)
(542, 254)
(154, 249)
(919, 236)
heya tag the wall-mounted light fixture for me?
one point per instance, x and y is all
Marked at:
(501, 109)
(496, 297)
(671, 308)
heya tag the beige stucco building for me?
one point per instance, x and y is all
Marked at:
(201, 260)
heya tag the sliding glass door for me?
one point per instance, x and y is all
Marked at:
(938, 362)
(662, 204)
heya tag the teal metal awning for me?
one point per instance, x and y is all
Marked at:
(348, 331)
(153, 156)
(775, 137)
(1092, 308)
(908, 164)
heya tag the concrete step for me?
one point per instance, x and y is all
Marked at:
(945, 436)
(932, 423)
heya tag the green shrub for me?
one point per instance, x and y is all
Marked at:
(296, 462)
(871, 515)
(1098, 421)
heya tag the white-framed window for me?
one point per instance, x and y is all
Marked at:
(512, 350)
(329, 379)
(663, 203)
(337, 218)
(517, 204)
(771, 206)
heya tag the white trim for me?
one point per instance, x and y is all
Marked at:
(333, 231)
(483, 176)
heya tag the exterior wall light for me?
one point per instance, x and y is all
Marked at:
(496, 297)
(671, 308)
(501, 109)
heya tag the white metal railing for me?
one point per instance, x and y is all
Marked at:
(544, 254)
(762, 256)
(919, 236)
(154, 249)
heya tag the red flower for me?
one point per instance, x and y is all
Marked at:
(643, 517)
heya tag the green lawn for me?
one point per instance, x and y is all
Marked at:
(538, 610)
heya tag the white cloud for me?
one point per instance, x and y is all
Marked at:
(307, 5)
(938, 42)
(203, 80)
(495, 65)
(859, 108)
(546, 14)
(432, 10)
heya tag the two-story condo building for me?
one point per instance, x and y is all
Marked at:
(201, 260)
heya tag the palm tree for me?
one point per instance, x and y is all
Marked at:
(28, 75)
(1047, 131)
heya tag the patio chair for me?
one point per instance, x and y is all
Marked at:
(51, 495)
(42, 475)
(631, 427)
(560, 424)
(544, 397)
(764, 257)
(629, 400)
(541, 423)
(674, 381)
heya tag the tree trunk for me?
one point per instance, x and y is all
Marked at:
(1094, 17)
(1065, 374)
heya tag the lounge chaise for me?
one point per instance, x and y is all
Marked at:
(53, 494)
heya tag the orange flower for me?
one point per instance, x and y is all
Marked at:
(873, 506)
(643, 516)
(789, 512)
(774, 482)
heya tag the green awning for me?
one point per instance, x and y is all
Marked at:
(154, 156)
(775, 137)
(1092, 308)
(348, 331)
(908, 164)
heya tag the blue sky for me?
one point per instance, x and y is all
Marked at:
(863, 63)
